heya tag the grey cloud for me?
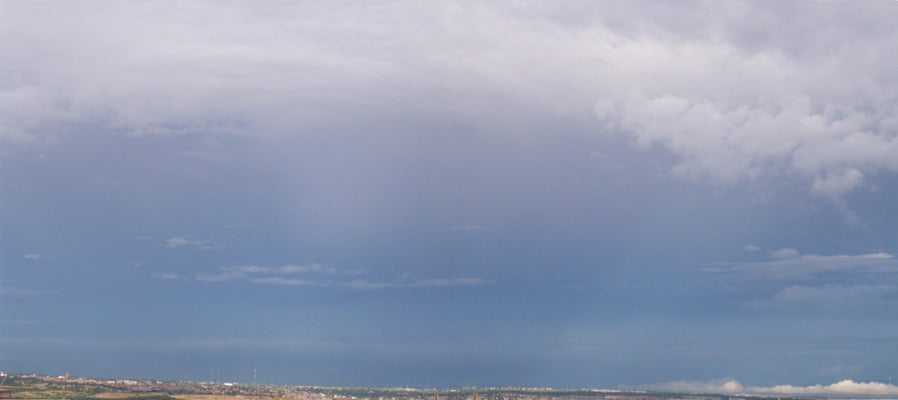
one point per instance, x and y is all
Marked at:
(804, 89)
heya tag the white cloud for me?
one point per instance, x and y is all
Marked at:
(836, 184)
(785, 253)
(420, 283)
(35, 257)
(792, 265)
(277, 280)
(181, 241)
(790, 281)
(325, 276)
(189, 241)
(304, 269)
(818, 294)
(15, 291)
(807, 92)
(468, 227)
(845, 387)
(732, 386)
(805, 298)
(752, 248)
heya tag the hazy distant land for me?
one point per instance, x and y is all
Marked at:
(32, 386)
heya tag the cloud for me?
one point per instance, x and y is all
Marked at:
(795, 282)
(732, 386)
(277, 280)
(785, 253)
(15, 291)
(836, 184)
(189, 241)
(304, 269)
(842, 297)
(181, 241)
(252, 273)
(816, 294)
(841, 370)
(420, 283)
(325, 276)
(806, 93)
(468, 227)
(789, 264)
(752, 248)
(35, 257)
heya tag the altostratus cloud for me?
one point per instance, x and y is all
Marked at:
(732, 386)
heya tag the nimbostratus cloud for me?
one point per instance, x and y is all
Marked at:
(734, 90)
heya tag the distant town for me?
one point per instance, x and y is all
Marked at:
(35, 386)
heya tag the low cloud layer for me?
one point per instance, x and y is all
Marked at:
(731, 386)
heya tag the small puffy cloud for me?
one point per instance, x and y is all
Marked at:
(167, 276)
(752, 248)
(785, 253)
(189, 241)
(181, 241)
(35, 257)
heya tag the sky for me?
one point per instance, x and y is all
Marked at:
(696, 196)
